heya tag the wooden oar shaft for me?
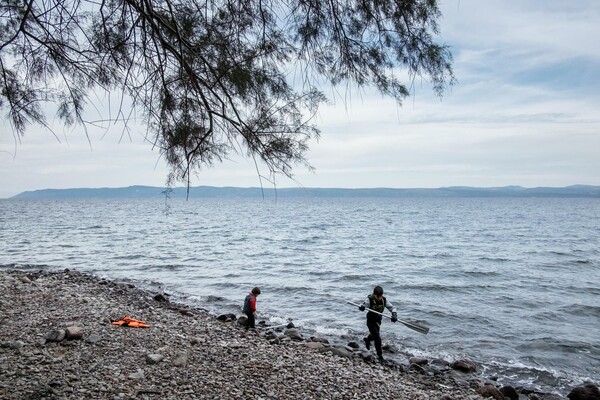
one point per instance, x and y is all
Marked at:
(370, 310)
(415, 327)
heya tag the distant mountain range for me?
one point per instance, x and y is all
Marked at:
(146, 192)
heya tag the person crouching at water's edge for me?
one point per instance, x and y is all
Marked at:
(376, 302)
(250, 307)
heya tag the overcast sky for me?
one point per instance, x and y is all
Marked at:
(525, 111)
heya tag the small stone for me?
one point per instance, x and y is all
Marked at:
(154, 358)
(14, 345)
(137, 375)
(74, 333)
(93, 338)
(160, 297)
(180, 359)
(55, 335)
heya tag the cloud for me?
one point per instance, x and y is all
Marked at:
(524, 112)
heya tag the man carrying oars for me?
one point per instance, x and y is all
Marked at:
(376, 302)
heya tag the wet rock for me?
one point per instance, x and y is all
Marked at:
(186, 312)
(464, 366)
(227, 317)
(161, 297)
(438, 362)
(353, 345)
(389, 348)
(242, 320)
(338, 351)
(416, 367)
(318, 339)
(418, 360)
(490, 391)
(293, 334)
(588, 391)
(510, 392)
(314, 345)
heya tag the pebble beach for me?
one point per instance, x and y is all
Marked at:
(57, 341)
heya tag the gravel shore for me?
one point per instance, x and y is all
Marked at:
(57, 342)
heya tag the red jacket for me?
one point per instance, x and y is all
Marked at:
(250, 303)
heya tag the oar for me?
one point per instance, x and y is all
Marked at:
(415, 327)
(287, 324)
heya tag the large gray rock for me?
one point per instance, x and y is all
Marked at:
(510, 392)
(464, 366)
(293, 334)
(588, 391)
(418, 360)
(314, 345)
(227, 317)
(338, 351)
(490, 391)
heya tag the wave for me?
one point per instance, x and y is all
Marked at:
(93, 227)
(550, 344)
(458, 288)
(27, 267)
(129, 257)
(215, 299)
(495, 259)
(582, 310)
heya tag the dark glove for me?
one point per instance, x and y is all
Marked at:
(394, 317)
(362, 308)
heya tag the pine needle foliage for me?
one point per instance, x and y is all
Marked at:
(211, 77)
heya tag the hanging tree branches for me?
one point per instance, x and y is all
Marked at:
(211, 77)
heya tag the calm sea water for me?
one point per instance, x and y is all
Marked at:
(513, 284)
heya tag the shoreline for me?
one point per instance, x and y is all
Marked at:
(186, 352)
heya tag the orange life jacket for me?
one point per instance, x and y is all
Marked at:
(134, 323)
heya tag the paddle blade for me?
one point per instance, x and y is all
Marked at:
(415, 327)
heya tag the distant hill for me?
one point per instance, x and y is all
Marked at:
(146, 192)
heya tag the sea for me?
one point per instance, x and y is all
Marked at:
(510, 283)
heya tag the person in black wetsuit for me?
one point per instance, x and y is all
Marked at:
(376, 302)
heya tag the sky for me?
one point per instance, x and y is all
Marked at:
(525, 111)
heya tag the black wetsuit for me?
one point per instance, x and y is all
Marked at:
(374, 322)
